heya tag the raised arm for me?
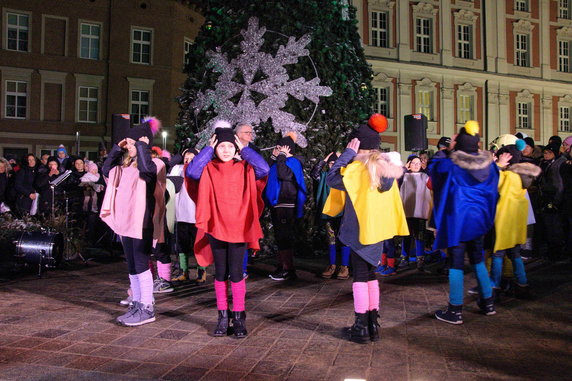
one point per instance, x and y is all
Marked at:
(147, 168)
(196, 167)
(261, 168)
(113, 159)
(334, 178)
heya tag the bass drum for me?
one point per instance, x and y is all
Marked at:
(39, 248)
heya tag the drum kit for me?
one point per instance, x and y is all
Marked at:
(47, 248)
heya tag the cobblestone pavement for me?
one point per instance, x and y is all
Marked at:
(61, 327)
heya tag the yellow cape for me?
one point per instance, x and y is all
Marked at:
(380, 214)
(512, 212)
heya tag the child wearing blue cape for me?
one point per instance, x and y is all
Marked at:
(286, 194)
(465, 191)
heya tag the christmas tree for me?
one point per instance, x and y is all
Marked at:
(316, 67)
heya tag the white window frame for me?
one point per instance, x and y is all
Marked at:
(383, 100)
(564, 118)
(141, 43)
(28, 29)
(564, 56)
(90, 38)
(465, 47)
(188, 43)
(421, 37)
(523, 115)
(522, 55)
(88, 101)
(17, 94)
(521, 6)
(425, 102)
(466, 110)
(137, 116)
(376, 31)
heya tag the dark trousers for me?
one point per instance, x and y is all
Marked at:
(137, 252)
(363, 271)
(474, 250)
(186, 234)
(228, 258)
(284, 220)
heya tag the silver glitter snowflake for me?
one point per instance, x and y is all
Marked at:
(275, 85)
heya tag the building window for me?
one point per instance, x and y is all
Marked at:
(464, 41)
(466, 108)
(425, 103)
(522, 50)
(564, 9)
(423, 35)
(564, 56)
(89, 41)
(188, 45)
(87, 108)
(564, 118)
(141, 46)
(16, 99)
(139, 105)
(17, 31)
(379, 30)
(521, 5)
(523, 115)
(382, 100)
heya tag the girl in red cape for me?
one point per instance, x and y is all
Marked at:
(228, 195)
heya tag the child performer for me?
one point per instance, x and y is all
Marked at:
(364, 188)
(229, 203)
(134, 208)
(332, 225)
(465, 195)
(512, 214)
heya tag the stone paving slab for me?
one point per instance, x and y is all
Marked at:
(62, 327)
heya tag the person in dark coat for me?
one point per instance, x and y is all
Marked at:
(24, 185)
(42, 184)
(5, 184)
(566, 173)
(63, 158)
(75, 191)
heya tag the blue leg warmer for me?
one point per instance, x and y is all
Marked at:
(496, 271)
(456, 287)
(345, 255)
(419, 247)
(245, 262)
(519, 272)
(332, 249)
(482, 274)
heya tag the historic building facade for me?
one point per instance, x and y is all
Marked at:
(66, 66)
(505, 63)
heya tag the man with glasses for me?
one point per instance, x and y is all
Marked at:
(245, 133)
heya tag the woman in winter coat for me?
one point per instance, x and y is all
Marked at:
(24, 185)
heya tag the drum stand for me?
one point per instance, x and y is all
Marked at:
(67, 241)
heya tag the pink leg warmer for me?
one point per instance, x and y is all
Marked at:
(221, 295)
(164, 270)
(361, 298)
(373, 292)
(238, 295)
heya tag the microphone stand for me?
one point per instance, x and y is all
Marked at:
(53, 184)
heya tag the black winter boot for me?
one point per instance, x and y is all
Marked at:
(239, 324)
(487, 305)
(452, 315)
(359, 332)
(373, 325)
(222, 325)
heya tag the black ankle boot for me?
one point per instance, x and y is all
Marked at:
(239, 324)
(373, 325)
(359, 332)
(222, 325)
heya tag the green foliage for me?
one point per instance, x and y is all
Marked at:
(335, 50)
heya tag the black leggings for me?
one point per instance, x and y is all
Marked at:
(228, 258)
(363, 270)
(284, 220)
(137, 252)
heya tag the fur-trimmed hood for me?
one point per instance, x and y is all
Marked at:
(385, 167)
(472, 162)
(527, 171)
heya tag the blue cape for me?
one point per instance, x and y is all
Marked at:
(464, 208)
(273, 185)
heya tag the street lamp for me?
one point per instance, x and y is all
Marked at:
(164, 134)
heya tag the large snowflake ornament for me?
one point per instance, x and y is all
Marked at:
(239, 77)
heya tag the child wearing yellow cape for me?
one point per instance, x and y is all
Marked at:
(363, 186)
